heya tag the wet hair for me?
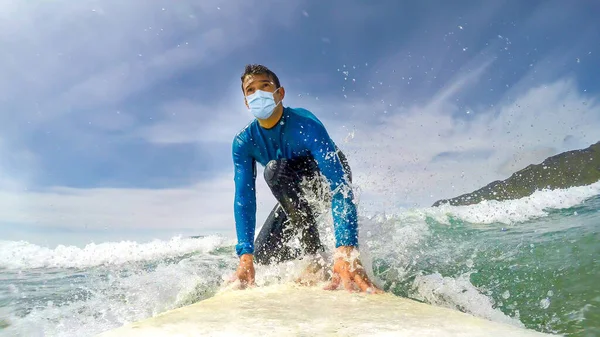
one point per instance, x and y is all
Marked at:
(259, 69)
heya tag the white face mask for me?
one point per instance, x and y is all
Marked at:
(262, 103)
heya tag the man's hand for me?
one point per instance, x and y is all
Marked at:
(245, 271)
(348, 270)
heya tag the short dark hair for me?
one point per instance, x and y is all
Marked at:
(257, 69)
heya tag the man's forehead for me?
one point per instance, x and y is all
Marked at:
(257, 78)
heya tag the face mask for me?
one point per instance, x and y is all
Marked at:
(262, 104)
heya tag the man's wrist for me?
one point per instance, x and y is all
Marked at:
(345, 252)
(247, 258)
(346, 249)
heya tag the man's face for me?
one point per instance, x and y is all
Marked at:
(261, 82)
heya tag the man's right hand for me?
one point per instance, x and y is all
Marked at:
(245, 271)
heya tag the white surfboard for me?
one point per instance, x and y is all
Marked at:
(293, 310)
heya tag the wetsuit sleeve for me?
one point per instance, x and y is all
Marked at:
(244, 205)
(343, 207)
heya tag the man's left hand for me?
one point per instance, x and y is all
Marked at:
(348, 271)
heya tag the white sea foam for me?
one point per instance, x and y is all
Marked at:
(119, 298)
(519, 210)
(24, 255)
(404, 240)
(460, 294)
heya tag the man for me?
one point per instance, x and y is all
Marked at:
(293, 146)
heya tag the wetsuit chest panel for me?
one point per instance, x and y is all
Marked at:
(287, 139)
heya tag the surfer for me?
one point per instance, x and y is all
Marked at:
(295, 149)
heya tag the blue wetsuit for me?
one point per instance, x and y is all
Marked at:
(298, 133)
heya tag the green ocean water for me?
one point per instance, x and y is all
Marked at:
(532, 263)
(545, 272)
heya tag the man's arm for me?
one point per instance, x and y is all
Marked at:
(343, 207)
(347, 268)
(245, 197)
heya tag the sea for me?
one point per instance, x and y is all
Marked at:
(532, 262)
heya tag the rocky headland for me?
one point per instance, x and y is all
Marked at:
(564, 170)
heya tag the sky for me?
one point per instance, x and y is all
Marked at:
(117, 117)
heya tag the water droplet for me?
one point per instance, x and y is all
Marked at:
(506, 294)
(545, 303)
(460, 27)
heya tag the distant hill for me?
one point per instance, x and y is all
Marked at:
(568, 169)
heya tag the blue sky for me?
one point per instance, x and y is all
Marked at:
(116, 118)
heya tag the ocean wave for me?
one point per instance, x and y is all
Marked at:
(514, 211)
(25, 255)
(459, 294)
(116, 298)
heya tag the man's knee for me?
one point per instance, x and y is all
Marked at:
(273, 170)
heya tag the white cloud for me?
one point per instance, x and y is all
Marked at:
(394, 157)
(187, 121)
(203, 207)
(70, 55)
(15, 166)
(66, 67)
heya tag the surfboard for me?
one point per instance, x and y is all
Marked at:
(295, 310)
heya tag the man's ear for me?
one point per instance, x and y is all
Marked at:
(281, 93)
